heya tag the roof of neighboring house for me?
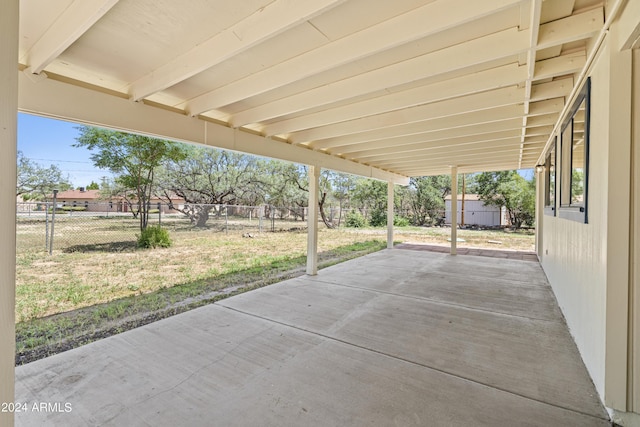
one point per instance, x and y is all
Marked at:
(78, 194)
(95, 195)
(467, 197)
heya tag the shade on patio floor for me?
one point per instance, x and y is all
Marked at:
(399, 337)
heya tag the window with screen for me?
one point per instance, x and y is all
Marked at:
(550, 180)
(574, 158)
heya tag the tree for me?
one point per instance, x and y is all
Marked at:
(93, 186)
(343, 185)
(509, 189)
(134, 160)
(297, 177)
(207, 178)
(286, 186)
(370, 194)
(112, 189)
(427, 202)
(37, 182)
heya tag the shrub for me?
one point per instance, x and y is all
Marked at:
(400, 221)
(153, 237)
(378, 218)
(355, 220)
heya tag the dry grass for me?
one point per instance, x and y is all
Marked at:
(522, 240)
(66, 281)
(69, 280)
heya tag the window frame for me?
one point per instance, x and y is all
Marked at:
(569, 210)
(550, 170)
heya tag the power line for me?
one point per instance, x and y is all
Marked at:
(62, 161)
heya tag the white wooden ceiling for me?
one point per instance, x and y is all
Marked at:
(406, 86)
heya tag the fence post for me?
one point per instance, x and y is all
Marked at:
(273, 218)
(53, 219)
(159, 214)
(46, 226)
(226, 219)
(260, 209)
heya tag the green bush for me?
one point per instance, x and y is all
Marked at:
(378, 218)
(400, 221)
(355, 220)
(154, 237)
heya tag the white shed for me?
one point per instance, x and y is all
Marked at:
(475, 212)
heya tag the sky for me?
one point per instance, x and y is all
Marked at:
(50, 142)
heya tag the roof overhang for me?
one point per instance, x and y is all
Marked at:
(410, 88)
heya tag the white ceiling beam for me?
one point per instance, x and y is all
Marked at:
(63, 101)
(554, 105)
(534, 28)
(494, 78)
(426, 153)
(68, 27)
(445, 169)
(476, 102)
(275, 18)
(478, 51)
(410, 143)
(585, 25)
(468, 131)
(454, 158)
(560, 66)
(465, 125)
(494, 115)
(408, 150)
(542, 120)
(426, 157)
(446, 144)
(466, 157)
(570, 29)
(556, 33)
(553, 89)
(538, 131)
(429, 19)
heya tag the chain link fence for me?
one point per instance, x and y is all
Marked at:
(113, 226)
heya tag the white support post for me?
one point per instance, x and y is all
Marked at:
(9, 19)
(390, 215)
(454, 210)
(312, 221)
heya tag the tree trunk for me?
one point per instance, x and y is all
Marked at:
(328, 223)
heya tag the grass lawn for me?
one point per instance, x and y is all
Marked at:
(70, 298)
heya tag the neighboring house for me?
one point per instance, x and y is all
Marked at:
(82, 198)
(93, 202)
(475, 212)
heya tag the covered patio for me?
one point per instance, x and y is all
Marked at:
(399, 337)
(386, 90)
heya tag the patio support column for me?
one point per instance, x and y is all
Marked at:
(390, 215)
(9, 19)
(312, 221)
(454, 210)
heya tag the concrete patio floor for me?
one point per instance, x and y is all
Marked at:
(396, 338)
